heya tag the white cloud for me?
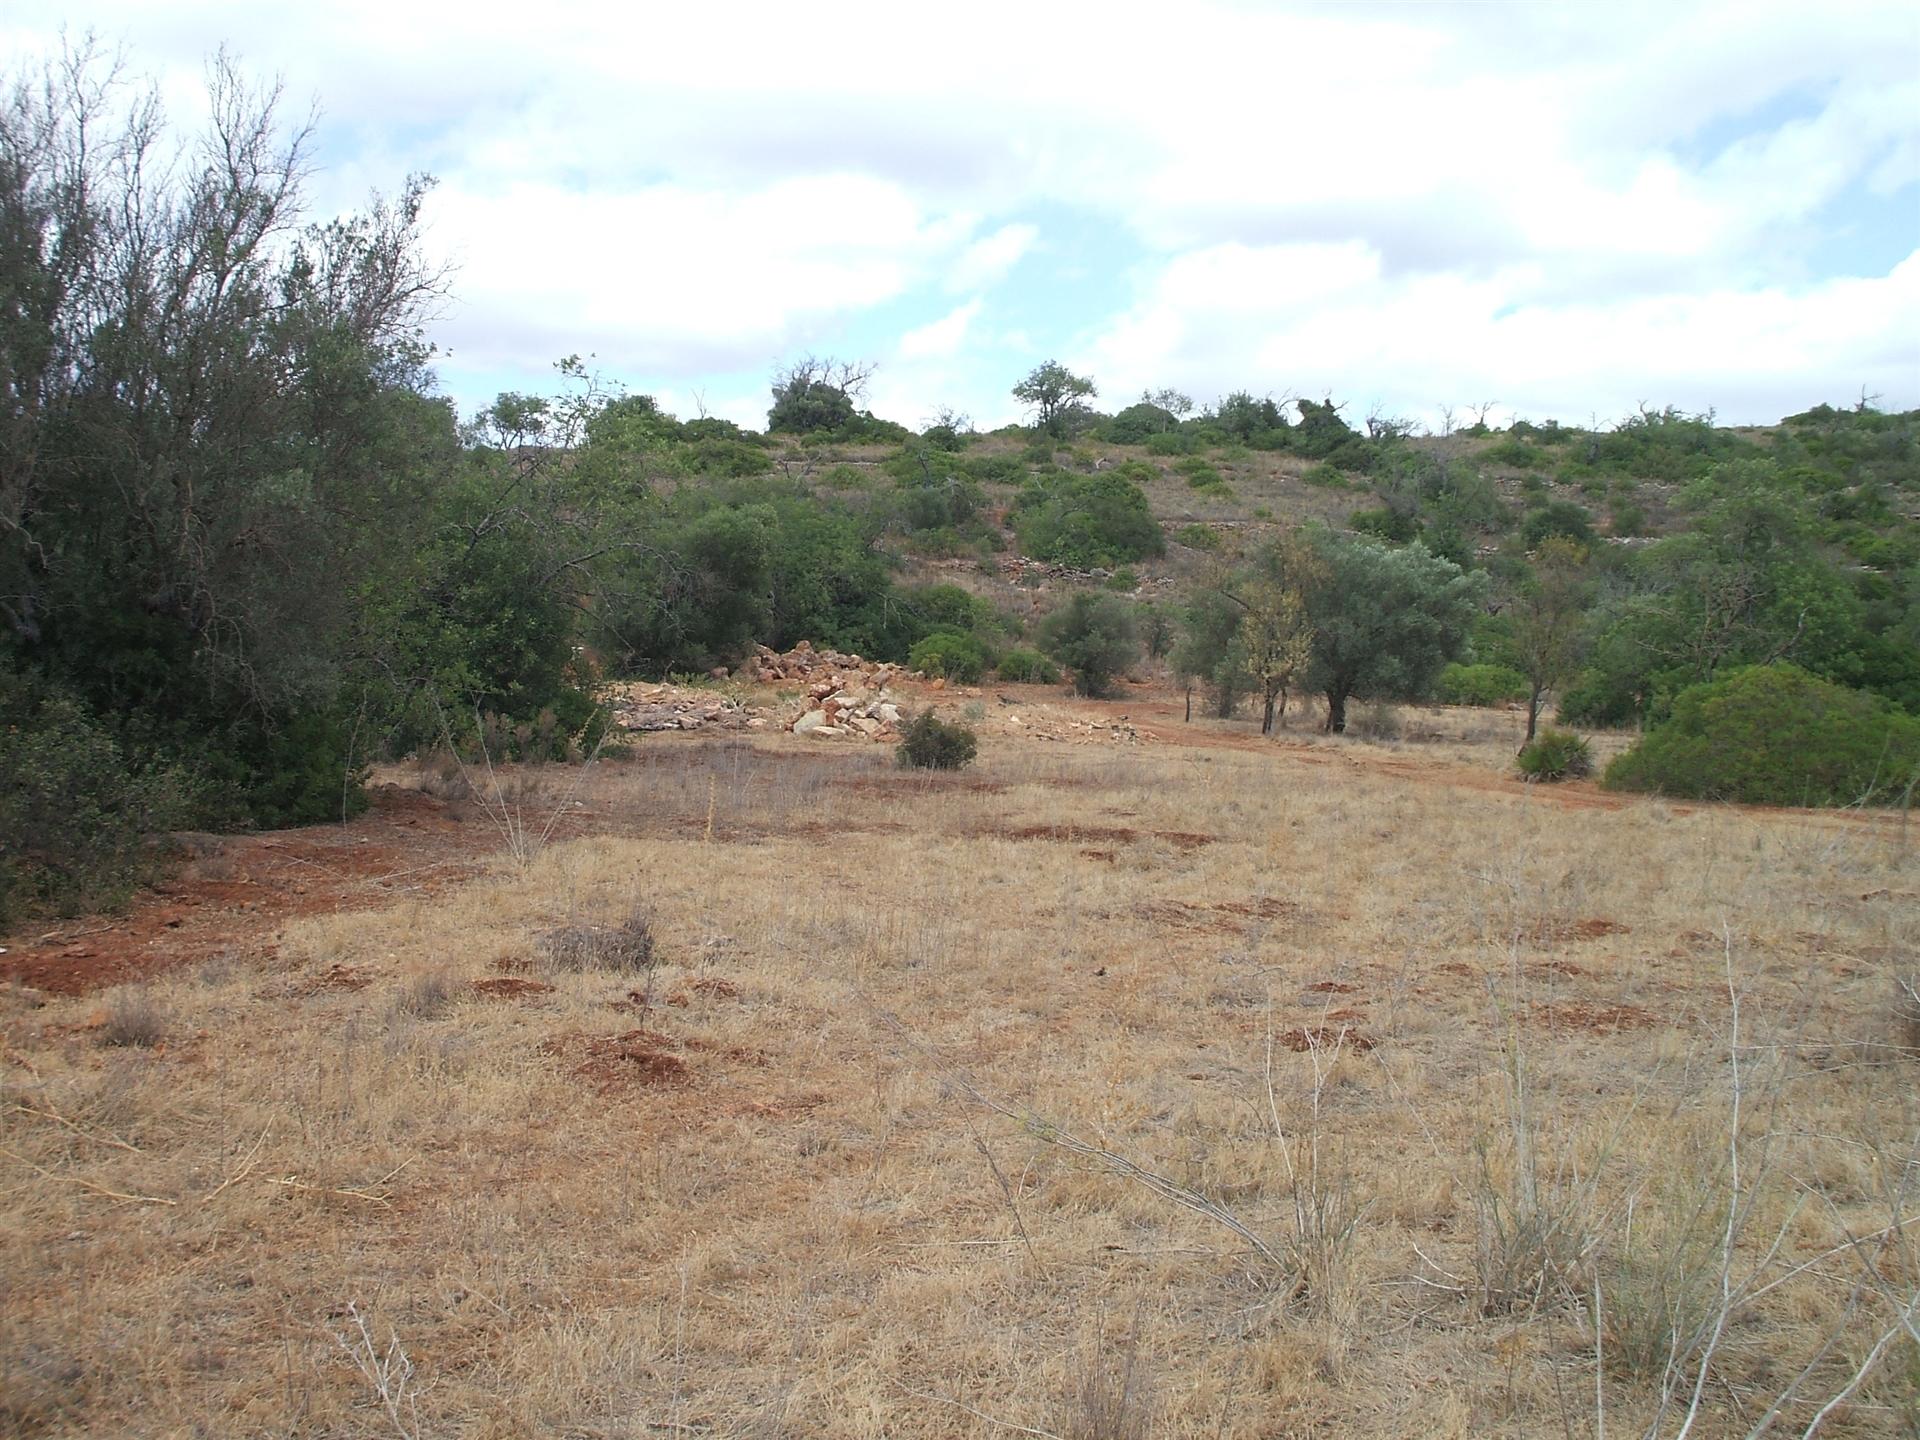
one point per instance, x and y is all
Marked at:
(1317, 319)
(986, 262)
(659, 275)
(943, 337)
(1315, 187)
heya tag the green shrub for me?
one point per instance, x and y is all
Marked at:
(1123, 580)
(1481, 685)
(1198, 537)
(1396, 527)
(1557, 517)
(950, 654)
(996, 469)
(1028, 667)
(1556, 755)
(1325, 476)
(1515, 453)
(74, 812)
(930, 743)
(1096, 636)
(1087, 521)
(1171, 442)
(1775, 735)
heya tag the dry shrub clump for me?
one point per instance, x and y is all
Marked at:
(134, 1018)
(625, 948)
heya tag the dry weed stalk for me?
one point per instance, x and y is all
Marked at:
(1325, 1214)
(389, 1372)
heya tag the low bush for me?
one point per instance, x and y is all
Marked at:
(930, 743)
(996, 469)
(74, 811)
(1557, 517)
(1325, 476)
(626, 948)
(1087, 521)
(1556, 755)
(1198, 537)
(1028, 667)
(134, 1019)
(1481, 685)
(950, 654)
(1775, 735)
(1097, 636)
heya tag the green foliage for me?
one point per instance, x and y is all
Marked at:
(1396, 527)
(1096, 637)
(1021, 666)
(950, 654)
(1657, 445)
(74, 810)
(1199, 537)
(996, 469)
(930, 743)
(1516, 453)
(1172, 442)
(1258, 423)
(1557, 517)
(1057, 398)
(1556, 755)
(1137, 423)
(934, 492)
(1626, 519)
(1481, 684)
(1748, 583)
(1385, 619)
(1776, 735)
(1325, 477)
(1209, 648)
(1087, 521)
(1200, 475)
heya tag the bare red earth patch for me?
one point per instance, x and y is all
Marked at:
(1325, 1037)
(1332, 987)
(1594, 928)
(511, 987)
(611, 1063)
(1595, 1019)
(334, 977)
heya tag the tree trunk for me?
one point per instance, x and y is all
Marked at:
(1533, 713)
(1266, 720)
(1189, 704)
(1337, 711)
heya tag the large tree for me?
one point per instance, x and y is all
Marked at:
(1385, 619)
(1548, 619)
(215, 425)
(1055, 395)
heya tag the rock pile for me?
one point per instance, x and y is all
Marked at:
(804, 663)
(836, 707)
(669, 707)
(846, 696)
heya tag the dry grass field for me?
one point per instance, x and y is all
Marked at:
(1224, 1088)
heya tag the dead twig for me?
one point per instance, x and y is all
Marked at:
(121, 1195)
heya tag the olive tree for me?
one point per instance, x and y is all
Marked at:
(1385, 619)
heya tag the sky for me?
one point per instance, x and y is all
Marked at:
(1556, 211)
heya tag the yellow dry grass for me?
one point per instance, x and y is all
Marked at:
(971, 1105)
